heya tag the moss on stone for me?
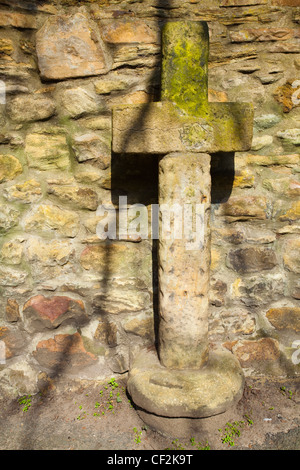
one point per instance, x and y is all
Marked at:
(185, 66)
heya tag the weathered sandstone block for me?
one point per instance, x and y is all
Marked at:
(91, 146)
(47, 151)
(10, 167)
(292, 213)
(12, 311)
(12, 252)
(63, 352)
(26, 193)
(40, 312)
(52, 218)
(262, 352)
(26, 108)
(244, 208)
(69, 46)
(287, 95)
(78, 101)
(130, 31)
(252, 259)
(83, 197)
(283, 318)
(18, 20)
(14, 341)
(9, 217)
(291, 255)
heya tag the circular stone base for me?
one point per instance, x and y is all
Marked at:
(190, 393)
(174, 427)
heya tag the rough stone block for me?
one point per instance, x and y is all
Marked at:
(40, 312)
(82, 197)
(49, 252)
(63, 353)
(78, 101)
(119, 299)
(130, 31)
(91, 146)
(107, 333)
(287, 95)
(50, 218)
(262, 352)
(288, 186)
(14, 341)
(252, 259)
(119, 260)
(26, 193)
(6, 47)
(12, 277)
(47, 151)
(9, 217)
(12, 311)
(69, 46)
(291, 255)
(10, 167)
(27, 108)
(12, 252)
(284, 318)
(244, 208)
(290, 136)
(241, 3)
(262, 34)
(273, 160)
(291, 214)
(18, 20)
(286, 3)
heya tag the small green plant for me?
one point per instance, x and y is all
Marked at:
(199, 445)
(130, 404)
(110, 406)
(25, 400)
(177, 445)
(232, 430)
(80, 417)
(113, 383)
(249, 420)
(286, 392)
(138, 435)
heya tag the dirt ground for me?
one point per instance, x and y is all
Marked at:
(100, 416)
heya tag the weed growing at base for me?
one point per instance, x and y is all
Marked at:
(233, 430)
(25, 400)
(192, 443)
(109, 397)
(138, 435)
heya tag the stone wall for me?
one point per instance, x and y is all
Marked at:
(74, 306)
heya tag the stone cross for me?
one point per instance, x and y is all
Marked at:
(184, 129)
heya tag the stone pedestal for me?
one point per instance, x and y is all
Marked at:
(186, 393)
